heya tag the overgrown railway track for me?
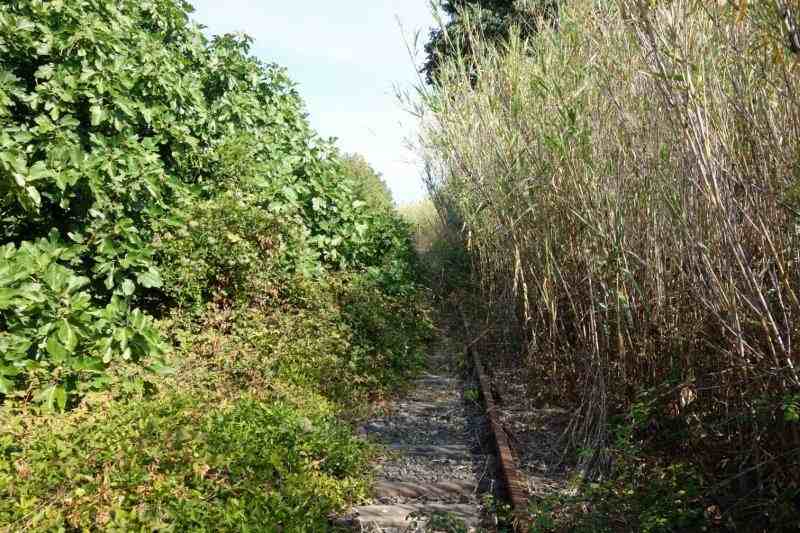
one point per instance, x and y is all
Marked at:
(446, 455)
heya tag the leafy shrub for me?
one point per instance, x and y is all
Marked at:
(179, 463)
(369, 184)
(639, 497)
(390, 324)
(156, 153)
(226, 248)
(342, 337)
(54, 335)
(145, 167)
(243, 435)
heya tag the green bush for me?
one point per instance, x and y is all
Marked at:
(54, 332)
(369, 183)
(146, 171)
(242, 434)
(342, 337)
(146, 151)
(226, 248)
(178, 463)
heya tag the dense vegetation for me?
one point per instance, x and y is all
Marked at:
(369, 184)
(193, 285)
(495, 20)
(627, 186)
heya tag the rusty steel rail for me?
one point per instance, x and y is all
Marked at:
(515, 486)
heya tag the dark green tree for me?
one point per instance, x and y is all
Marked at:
(493, 18)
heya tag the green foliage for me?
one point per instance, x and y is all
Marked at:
(386, 319)
(344, 337)
(446, 522)
(791, 408)
(148, 152)
(648, 498)
(424, 221)
(242, 435)
(146, 169)
(225, 248)
(369, 183)
(640, 494)
(53, 331)
(494, 20)
(444, 260)
(178, 463)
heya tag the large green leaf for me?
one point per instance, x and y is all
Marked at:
(56, 350)
(67, 335)
(150, 279)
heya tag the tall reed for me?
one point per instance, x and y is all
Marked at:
(628, 184)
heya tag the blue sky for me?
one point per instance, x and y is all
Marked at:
(346, 56)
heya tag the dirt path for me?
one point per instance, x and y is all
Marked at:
(435, 469)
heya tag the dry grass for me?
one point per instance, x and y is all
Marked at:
(424, 220)
(629, 184)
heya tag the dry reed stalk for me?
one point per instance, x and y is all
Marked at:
(629, 189)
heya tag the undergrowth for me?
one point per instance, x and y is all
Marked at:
(247, 428)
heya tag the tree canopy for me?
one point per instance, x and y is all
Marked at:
(369, 183)
(494, 19)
